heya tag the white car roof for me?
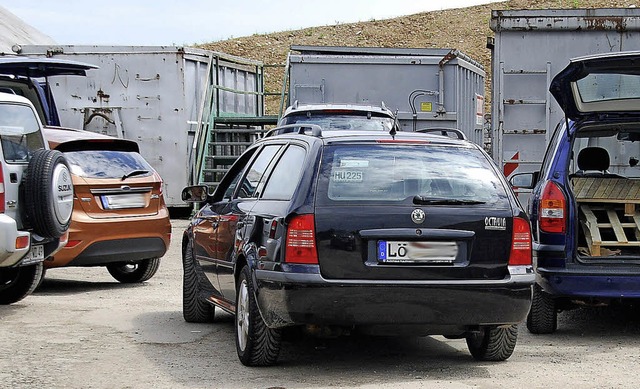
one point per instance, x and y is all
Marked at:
(326, 107)
(13, 98)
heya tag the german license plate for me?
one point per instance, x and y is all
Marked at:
(36, 252)
(417, 252)
(123, 201)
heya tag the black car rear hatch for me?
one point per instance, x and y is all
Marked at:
(411, 212)
(383, 242)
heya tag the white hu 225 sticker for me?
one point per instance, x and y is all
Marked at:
(495, 223)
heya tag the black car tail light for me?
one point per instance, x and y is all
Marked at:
(552, 209)
(520, 243)
(301, 240)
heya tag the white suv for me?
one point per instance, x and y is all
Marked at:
(36, 198)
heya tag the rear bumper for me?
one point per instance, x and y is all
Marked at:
(94, 242)
(582, 282)
(562, 278)
(287, 298)
(12, 256)
(9, 254)
(119, 250)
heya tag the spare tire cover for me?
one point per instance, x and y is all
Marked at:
(48, 193)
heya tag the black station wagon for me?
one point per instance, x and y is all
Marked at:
(381, 232)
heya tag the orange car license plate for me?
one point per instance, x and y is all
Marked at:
(124, 201)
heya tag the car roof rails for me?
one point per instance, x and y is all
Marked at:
(445, 132)
(298, 128)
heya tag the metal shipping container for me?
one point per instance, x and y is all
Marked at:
(171, 100)
(529, 48)
(429, 88)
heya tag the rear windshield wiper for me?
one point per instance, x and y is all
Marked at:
(134, 173)
(417, 199)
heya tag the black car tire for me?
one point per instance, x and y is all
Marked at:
(133, 272)
(19, 282)
(543, 315)
(257, 344)
(493, 343)
(194, 308)
(44, 273)
(48, 193)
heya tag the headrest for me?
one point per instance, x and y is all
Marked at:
(593, 158)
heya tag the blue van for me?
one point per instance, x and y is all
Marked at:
(584, 206)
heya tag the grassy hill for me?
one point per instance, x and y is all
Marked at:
(465, 29)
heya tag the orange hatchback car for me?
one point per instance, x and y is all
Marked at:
(119, 219)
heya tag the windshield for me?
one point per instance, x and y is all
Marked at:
(413, 174)
(333, 121)
(108, 164)
(20, 133)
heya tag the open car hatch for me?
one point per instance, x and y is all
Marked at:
(42, 67)
(599, 84)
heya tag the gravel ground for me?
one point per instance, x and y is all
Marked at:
(82, 329)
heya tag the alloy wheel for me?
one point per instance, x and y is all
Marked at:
(242, 315)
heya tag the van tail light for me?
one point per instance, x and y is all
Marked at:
(301, 240)
(1, 191)
(553, 208)
(520, 243)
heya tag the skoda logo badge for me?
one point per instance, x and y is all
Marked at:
(417, 216)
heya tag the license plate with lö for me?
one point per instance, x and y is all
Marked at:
(417, 251)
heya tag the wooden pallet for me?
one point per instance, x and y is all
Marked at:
(606, 190)
(626, 229)
(608, 206)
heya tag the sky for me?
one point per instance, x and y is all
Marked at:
(189, 22)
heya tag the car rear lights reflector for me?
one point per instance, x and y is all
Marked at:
(552, 209)
(301, 240)
(22, 242)
(72, 243)
(520, 243)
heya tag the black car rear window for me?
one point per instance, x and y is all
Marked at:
(107, 164)
(397, 173)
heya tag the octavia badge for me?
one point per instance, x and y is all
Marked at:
(417, 216)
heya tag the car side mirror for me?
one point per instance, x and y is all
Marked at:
(524, 180)
(195, 194)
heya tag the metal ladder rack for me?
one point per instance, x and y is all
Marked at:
(222, 136)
